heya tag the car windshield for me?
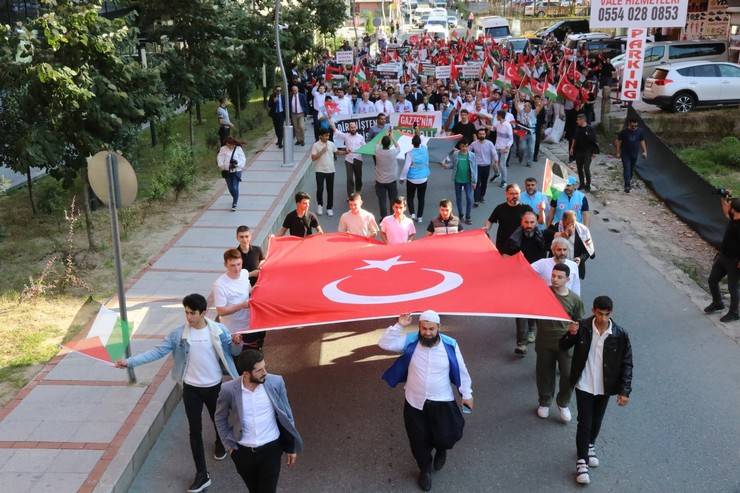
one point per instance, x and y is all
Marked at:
(498, 31)
(436, 22)
(518, 44)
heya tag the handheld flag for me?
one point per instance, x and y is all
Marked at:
(107, 339)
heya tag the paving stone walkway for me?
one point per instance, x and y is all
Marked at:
(78, 426)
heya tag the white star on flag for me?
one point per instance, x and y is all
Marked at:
(384, 265)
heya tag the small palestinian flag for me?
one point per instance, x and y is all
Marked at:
(107, 339)
(553, 179)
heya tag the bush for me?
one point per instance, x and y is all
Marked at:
(160, 185)
(714, 156)
(51, 198)
(179, 163)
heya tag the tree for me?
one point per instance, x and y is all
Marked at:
(74, 89)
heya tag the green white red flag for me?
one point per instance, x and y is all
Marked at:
(106, 340)
(553, 180)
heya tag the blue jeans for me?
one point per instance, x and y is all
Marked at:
(232, 183)
(468, 187)
(526, 146)
(629, 163)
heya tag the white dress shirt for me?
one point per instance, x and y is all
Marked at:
(429, 370)
(592, 378)
(404, 107)
(318, 99)
(259, 425)
(384, 106)
(365, 107)
(344, 104)
(544, 266)
(351, 143)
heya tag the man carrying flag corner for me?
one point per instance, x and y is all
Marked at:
(429, 362)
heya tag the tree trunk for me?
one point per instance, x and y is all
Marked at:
(30, 190)
(92, 246)
(238, 102)
(198, 115)
(190, 125)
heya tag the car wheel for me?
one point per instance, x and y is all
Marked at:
(683, 102)
(541, 14)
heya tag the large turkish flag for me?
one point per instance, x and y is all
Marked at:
(339, 277)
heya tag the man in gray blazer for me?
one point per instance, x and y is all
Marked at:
(256, 425)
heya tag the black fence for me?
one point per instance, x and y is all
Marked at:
(684, 191)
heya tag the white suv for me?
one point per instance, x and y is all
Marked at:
(680, 87)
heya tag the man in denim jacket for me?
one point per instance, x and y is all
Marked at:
(202, 350)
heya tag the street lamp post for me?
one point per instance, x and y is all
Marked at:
(287, 128)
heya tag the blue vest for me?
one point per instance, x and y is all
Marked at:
(419, 168)
(399, 371)
(573, 203)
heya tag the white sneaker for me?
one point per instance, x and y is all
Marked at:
(593, 461)
(413, 216)
(543, 412)
(321, 210)
(419, 220)
(565, 416)
(582, 476)
(330, 212)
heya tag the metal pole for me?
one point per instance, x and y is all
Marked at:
(287, 128)
(114, 197)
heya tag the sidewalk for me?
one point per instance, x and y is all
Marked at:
(78, 426)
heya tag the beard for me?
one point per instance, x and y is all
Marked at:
(257, 380)
(528, 232)
(428, 342)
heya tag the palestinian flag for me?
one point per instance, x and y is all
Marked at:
(500, 81)
(553, 179)
(107, 339)
(368, 149)
(551, 92)
(334, 73)
(524, 87)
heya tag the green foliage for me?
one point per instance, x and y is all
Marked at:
(159, 187)
(369, 27)
(724, 154)
(181, 168)
(51, 198)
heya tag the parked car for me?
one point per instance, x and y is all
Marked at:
(542, 8)
(517, 45)
(664, 52)
(562, 28)
(681, 87)
(494, 26)
(451, 21)
(596, 43)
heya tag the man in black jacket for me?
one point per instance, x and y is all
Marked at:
(601, 367)
(583, 146)
(727, 262)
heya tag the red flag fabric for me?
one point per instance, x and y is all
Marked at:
(567, 90)
(339, 277)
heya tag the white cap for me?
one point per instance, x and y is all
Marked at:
(429, 316)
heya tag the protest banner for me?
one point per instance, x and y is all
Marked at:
(428, 69)
(364, 122)
(395, 67)
(429, 124)
(442, 72)
(471, 70)
(345, 57)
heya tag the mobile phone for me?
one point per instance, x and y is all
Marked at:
(466, 409)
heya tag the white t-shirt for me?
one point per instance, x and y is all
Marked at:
(362, 224)
(325, 163)
(397, 232)
(228, 291)
(202, 368)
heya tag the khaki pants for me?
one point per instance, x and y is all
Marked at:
(297, 120)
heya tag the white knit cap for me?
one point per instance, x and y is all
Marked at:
(429, 316)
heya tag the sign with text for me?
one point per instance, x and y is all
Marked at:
(471, 70)
(442, 72)
(429, 124)
(390, 67)
(364, 122)
(638, 13)
(345, 57)
(633, 64)
(428, 69)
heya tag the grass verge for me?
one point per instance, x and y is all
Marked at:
(31, 331)
(717, 163)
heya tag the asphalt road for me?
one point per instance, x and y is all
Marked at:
(680, 432)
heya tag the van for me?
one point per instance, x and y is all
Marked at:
(665, 52)
(494, 26)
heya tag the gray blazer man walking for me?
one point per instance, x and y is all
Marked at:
(256, 425)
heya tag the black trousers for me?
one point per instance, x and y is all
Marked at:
(591, 409)
(411, 191)
(724, 266)
(278, 121)
(223, 133)
(354, 176)
(386, 193)
(259, 467)
(438, 426)
(537, 141)
(327, 178)
(193, 399)
(583, 163)
(482, 184)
